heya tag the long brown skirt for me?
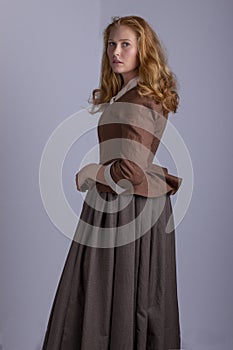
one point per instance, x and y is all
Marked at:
(118, 293)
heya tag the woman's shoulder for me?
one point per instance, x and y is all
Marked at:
(133, 96)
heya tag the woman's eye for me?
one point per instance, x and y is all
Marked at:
(125, 44)
(111, 43)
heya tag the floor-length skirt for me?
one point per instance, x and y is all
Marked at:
(118, 288)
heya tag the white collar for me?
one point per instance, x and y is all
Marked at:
(131, 83)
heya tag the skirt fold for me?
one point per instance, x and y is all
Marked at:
(121, 297)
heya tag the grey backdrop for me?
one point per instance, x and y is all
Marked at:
(50, 60)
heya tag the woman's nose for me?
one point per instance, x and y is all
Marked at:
(116, 50)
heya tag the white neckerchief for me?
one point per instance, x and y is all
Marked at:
(131, 83)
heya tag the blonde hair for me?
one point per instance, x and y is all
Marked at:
(155, 77)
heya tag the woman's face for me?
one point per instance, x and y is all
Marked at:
(122, 52)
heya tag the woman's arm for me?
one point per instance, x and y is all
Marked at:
(132, 143)
(110, 175)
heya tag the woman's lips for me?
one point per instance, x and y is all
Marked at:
(117, 62)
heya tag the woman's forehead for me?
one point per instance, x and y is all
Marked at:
(122, 32)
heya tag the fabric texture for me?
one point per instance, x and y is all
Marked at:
(123, 297)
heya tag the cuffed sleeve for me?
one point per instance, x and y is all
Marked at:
(125, 169)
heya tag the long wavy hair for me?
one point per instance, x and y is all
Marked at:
(155, 77)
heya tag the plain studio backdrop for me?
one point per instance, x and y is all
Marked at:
(50, 62)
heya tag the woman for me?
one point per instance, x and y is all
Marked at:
(118, 287)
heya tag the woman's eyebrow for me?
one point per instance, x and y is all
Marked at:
(119, 39)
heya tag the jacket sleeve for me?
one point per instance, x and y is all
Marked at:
(140, 141)
(131, 152)
(125, 170)
(130, 148)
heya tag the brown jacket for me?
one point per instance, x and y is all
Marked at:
(129, 132)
